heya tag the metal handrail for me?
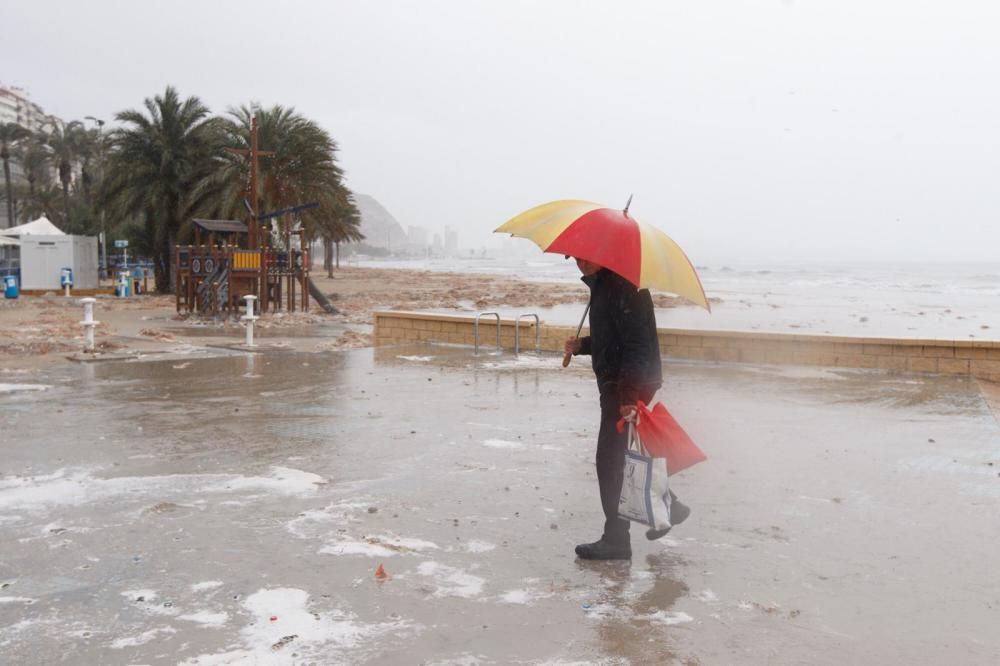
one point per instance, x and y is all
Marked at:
(476, 329)
(517, 332)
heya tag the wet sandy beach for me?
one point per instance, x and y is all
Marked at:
(210, 507)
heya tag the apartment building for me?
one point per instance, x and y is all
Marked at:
(17, 107)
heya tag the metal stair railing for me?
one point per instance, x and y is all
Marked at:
(476, 329)
(517, 332)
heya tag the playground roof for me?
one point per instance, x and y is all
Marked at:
(225, 226)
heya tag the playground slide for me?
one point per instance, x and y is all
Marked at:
(321, 298)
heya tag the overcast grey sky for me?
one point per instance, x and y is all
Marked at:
(756, 130)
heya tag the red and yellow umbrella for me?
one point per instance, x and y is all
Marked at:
(643, 255)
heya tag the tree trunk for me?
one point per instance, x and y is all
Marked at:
(10, 200)
(85, 180)
(161, 270)
(164, 259)
(65, 186)
(338, 254)
(328, 256)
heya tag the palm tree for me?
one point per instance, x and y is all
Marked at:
(10, 135)
(88, 148)
(302, 169)
(342, 224)
(155, 163)
(33, 157)
(44, 199)
(63, 144)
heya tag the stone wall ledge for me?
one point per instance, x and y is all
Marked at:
(979, 358)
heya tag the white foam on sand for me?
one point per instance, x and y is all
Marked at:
(523, 597)
(377, 546)
(76, 486)
(206, 585)
(663, 617)
(798, 372)
(607, 612)
(310, 524)
(502, 444)
(452, 582)
(17, 388)
(268, 641)
(133, 595)
(525, 361)
(464, 660)
(17, 600)
(141, 639)
(417, 359)
(284, 480)
(206, 618)
(476, 546)
(150, 603)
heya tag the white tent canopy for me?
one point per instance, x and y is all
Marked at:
(40, 227)
(8, 241)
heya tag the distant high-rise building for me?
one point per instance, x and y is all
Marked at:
(417, 236)
(16, 107)
(450, 241)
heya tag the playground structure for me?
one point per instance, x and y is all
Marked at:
(230, 260)
(213, 278)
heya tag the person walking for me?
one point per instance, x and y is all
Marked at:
(625, 355)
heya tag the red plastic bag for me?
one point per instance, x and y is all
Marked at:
(663, 437)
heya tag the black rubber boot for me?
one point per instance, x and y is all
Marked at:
(604, 550)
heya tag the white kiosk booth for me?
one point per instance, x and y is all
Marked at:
(43, 259)
(45, 251)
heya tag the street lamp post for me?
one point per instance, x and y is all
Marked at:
(100, 158)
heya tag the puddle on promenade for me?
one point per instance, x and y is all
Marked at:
(231, 508)
(233, 329)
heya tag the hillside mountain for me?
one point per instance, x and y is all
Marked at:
(378, 225)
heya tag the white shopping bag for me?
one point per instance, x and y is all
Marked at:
(645, 494)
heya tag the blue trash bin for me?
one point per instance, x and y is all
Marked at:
(66, 277)
(123, 289)
(137, 275)
(10, 286)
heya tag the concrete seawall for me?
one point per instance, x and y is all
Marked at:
(977, 358)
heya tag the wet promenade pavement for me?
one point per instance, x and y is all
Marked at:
(227, 508)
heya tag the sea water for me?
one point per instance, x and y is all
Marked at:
(956, 301)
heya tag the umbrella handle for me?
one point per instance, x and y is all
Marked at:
(579, 328)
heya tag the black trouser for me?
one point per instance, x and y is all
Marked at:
(611, 447)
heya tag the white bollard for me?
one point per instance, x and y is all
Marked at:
(250, 318)
(88, 323)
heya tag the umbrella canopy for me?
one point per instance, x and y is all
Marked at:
(642, 254)
(40, 227)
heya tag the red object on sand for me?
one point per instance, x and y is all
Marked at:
(663, 437)
(380, 573)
